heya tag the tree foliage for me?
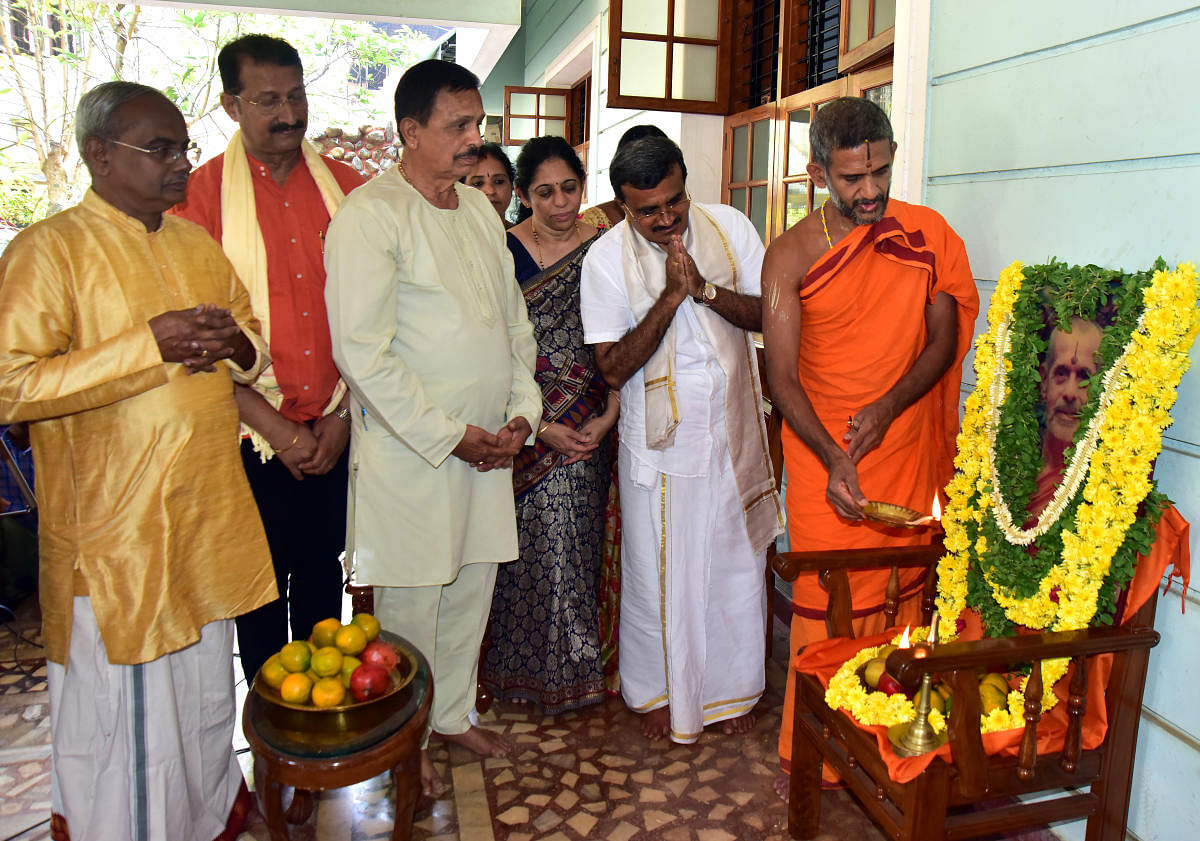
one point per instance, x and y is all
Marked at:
(53, 51)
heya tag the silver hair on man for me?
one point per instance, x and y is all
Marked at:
(95, 116)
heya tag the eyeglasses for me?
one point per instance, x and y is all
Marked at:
(271, 103)
(168, 153)
(646, 214)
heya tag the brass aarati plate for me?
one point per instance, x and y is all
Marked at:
(890, 514)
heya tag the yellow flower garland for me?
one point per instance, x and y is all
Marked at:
(1137, 394)
(1118, 450)
(847, 692)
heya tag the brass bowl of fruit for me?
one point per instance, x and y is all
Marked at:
(345, 678)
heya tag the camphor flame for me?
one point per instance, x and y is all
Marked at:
(937, 508)
(904, 643)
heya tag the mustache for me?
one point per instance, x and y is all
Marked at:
(877, 200)
(471, 155)
(299, 125)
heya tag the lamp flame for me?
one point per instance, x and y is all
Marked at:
(904, 643)
(937, 508)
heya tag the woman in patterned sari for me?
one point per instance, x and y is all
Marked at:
(545, 627)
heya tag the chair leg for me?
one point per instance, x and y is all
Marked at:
(926, 816)
(804, 786)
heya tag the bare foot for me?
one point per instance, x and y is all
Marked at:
(656, 724)
(741, 724)
(783, 787)
(432, 784)
(483, 742)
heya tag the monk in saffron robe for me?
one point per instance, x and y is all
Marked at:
(868, 309)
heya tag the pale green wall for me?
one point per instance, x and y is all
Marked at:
(551, 25)
(509, 70)
(1069, 129)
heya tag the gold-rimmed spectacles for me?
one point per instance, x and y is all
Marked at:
(645, 214)
(271, 103)
(168, 153)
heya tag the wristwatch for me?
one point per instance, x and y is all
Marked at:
(343, 414)
(707, 295)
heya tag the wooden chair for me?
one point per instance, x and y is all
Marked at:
(974, 794)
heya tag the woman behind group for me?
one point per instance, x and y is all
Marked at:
(545, 634)
(493, 176)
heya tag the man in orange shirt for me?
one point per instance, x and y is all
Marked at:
(268, 200)
(868, 309)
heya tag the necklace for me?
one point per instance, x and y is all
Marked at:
(537, 243)
(404, 174)
(824, 227)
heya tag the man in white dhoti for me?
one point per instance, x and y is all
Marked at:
(668, 297)
(122, 332)
(430, 333)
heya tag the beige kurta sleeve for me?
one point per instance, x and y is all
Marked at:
(363, 253)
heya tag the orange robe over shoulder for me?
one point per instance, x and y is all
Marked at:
(862, 326)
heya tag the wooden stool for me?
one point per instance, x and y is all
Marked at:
(289, 757)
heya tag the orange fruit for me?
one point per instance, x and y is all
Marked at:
(323, 631)
(296, 688)
(327, 662)
(328, 692)
(312, 676)
(349, 664)
(312, 649)
(350, 639)
(368, 623)
(273, 673)
(295, 656)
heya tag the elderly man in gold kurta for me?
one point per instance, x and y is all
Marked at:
(121, 334)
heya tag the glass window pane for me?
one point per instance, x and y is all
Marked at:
(796, 203)
(554, 105)
(643, 68)
(758, 211)
(522, 128)
(737, 198)
(647, 16)
(522, 103)
(698, 18)
(694, 72)
(558, 128)
(885, 16)
(760, 138)
(858, 23)
(737, 166)
(797, 153)
(881, 96)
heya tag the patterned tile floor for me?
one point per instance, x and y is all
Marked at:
(583, 775)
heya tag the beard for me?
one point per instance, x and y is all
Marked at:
(851, 211)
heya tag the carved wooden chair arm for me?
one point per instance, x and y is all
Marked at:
(959, 664)
(788, 565)
(1008, 651)
(833, 568)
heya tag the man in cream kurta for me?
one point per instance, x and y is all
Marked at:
(667, 298)
(111, 319)
(430, 333)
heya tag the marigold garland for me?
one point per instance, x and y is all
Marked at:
(1104, 512)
